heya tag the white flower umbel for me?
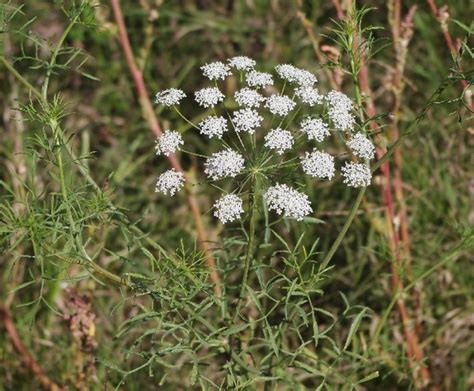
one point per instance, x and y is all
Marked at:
(279, 140)
(306, 78)
(342, 120)
(246, 120)
(241, 63)
(228, 208)
(279, 104)
(169, 142)
(292, 74)
(247, 97)
(209, 97)
(216, 70)
(315, 128)
(318, 165)
(309, 95)
(213, 126)
(339, 100)
(170, 182)
(361, 146)
(227, 163)
(285, 200)
(356, 174)
(259, 79)
(339, 112)
(169, 97)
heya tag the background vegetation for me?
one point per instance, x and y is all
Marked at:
(394, 310)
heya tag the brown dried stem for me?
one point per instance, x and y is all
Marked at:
(25, 355)
(150, 117)
(414, 350)
(441, 14)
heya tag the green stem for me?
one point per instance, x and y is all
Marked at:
(21, 79)
(55, 55)
(459, 247)
(344, 229)
(184, 117)
(250, 244)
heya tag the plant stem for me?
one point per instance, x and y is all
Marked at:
(344, 229)
(250, 243)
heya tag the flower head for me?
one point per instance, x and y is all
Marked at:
(309, 95)
(361, 146)
(280, 104)
(168, 143)
(247, 97)
(315, 128)
(170, 182)
(259, 79)
(339, 100)
(213, 126)
(216, 70)
(242, 63)
(285, 200)
(279, 140)
(209, 97)
(339, 112)
(356, 174)
(228, 208)
(246, 120)
(227, 163)
(169, 97)
(292, 74)
(318, 165)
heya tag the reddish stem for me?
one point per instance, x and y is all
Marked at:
(449, 40)
(25, 355)
(149, 114)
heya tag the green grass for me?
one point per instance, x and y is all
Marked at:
(159, 325)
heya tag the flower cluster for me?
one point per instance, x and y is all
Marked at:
(228, 208)
(213, 126)
(168, 143)
(285, 200)
(246, 120)
(170, 182)
(279, 140)
(340, 107)
(227, 163)
(259, 136)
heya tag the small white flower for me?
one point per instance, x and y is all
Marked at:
(309, 95)
(279, 104)
(216, 70)
(213, 126)
(170, 182)
(356, 174)
(339, 112)
(259, 79)
(285, 200)
(242, 63)
(227, 163)
(246, 120)
(169, 97)
(339, 100)
(168, 143)
(361, 146)
(228, 208)
(209, 97)
(247, 97)
(318, 165)
(292, 74)
(342, 120)
(315, 128)
(279, 140)
(306, 78)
